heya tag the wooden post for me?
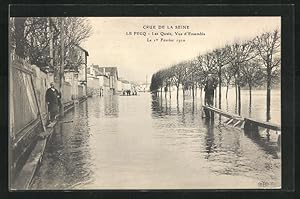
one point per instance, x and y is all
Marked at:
(61, 73)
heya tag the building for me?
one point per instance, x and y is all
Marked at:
(82, 55)
(112, 73)
(93, 86)
(102, 80)
(75, 72)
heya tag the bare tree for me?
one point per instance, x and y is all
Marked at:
(186, 76)
(207, 61)
(221, 58)
(77, 30)
(178, 74)
(200, 73)
(227, 75)
(31, 36)
(240, 53)
(193, 68)
(268, 48)
(251, 75)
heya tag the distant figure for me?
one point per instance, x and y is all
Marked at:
(53, 100)
(210, 85)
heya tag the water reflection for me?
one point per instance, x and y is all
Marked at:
(209, 137)
(228, 150)
(264, 141)
(67, 153)
(111, 105)
(153, 141)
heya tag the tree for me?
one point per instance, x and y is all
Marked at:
(156, 81)
(268, 48)
(240, 53)
(252, 76)
(207, 61)
(18, 36)
(227, 74)
(186, 76)
(76, 30)
(193, 68)
(32, 38)
(220, 59)
(199, 73)
(178, 75)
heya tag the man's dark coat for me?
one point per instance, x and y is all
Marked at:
(52, 98)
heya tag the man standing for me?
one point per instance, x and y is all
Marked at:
(210, 86)
(52, 99)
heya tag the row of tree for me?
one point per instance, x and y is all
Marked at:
(248, 64)
(39, 40)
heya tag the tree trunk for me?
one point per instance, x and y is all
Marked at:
(236, 94)
(227, 90)
(177, 92)
(215, 95)
(268, 94)
(19, 36)
(183, 93)
(193, 93)
(220, 85)
(250, 94)
(165, 94)
(239, 99)
(201, 93)
(250, 99)
(61, 73)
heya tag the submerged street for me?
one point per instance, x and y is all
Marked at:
(153, 142)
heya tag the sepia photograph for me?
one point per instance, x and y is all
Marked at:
(129, 103)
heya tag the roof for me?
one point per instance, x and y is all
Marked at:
(125, 81)
(86, 52)
(111, 70)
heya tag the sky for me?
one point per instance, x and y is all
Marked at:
(119, 41)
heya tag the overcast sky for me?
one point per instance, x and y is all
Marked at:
(136, 58)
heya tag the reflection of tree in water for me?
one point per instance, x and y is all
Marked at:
(170, 105)
(111, 105)
(250, 107)
(264, 142)
(162, 105)
(156, 106)
(67, 152)
(177, 106)
(209, 137)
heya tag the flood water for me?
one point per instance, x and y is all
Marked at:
(154, 142)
